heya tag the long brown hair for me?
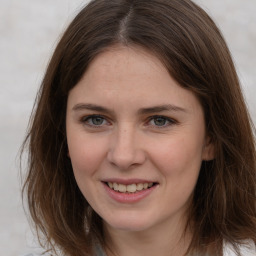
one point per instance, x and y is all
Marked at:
(194, 52)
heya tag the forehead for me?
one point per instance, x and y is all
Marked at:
(119, 62)
(131, 75)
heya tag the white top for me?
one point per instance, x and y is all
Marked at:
(248, 249)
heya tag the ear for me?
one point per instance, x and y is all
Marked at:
(208, 153)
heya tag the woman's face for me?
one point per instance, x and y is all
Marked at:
(136, 140)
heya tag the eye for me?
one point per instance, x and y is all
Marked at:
(94, 120)
(161, 121)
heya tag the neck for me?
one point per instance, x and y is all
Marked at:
(161, 240)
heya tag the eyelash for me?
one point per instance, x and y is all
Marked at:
(85, 120)
(88, 119)
(170, 121)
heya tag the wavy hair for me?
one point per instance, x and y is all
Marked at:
(194, 52)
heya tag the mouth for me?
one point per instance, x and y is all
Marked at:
(130, 188)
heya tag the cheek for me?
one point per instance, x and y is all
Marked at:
(179, 163)
(86, 154)
(178, 157)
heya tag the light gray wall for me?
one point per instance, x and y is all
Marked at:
(29, 31)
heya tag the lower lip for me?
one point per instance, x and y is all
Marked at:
(128, 197)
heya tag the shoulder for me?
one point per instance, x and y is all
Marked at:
(248, 248)
(35, 253)
(29, 254)
(32, 254)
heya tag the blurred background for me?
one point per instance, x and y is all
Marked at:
(29, 31)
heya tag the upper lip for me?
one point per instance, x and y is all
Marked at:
(128, 181)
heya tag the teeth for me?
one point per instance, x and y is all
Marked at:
(121, 188)
(131, 188)
(115, 186)
(139, 186)
(110, 184)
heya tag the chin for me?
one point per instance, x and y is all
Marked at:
(129, 223)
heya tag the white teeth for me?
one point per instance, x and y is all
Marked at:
(121, 188)
(131, 188)
(139, 186)
(115, 186)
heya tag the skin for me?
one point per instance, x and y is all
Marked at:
(127, 141)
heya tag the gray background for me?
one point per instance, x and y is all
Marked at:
(29, 30)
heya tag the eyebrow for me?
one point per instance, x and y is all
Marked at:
(82, 106)
(142, 111)
(161, 108)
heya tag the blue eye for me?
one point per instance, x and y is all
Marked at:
(160, 121)
(94, 120)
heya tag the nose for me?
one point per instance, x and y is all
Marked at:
(125, 150)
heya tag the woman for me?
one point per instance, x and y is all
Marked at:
(141, 142)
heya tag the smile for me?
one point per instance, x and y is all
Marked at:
(129, 191)
(131, 188)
